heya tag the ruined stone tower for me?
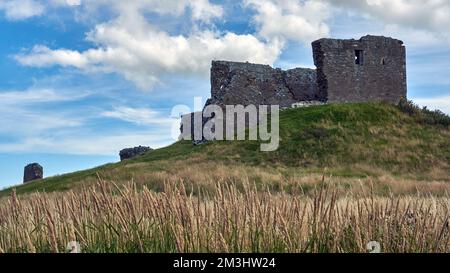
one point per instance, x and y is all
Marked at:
(33, 172)
(372, 68)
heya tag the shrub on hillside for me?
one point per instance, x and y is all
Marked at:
(424, 115)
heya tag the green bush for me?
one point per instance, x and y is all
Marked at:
(424, 115)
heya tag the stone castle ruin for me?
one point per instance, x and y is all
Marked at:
(371, 69)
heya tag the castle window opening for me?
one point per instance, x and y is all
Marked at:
(383, 61)
(359, 57)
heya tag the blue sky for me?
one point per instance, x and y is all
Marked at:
(79, 80)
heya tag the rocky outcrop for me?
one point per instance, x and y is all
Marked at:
(133, 152)
(33, 172)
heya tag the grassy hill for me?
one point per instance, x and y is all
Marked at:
(349, 142)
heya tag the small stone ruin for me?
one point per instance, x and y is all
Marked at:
(133, 152)
(33, 172)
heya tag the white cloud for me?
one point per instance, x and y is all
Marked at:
(140, 116)
(16, 10)
(42, 56)
(21, 9)
(22, 122)
(302, 21)
(73, 2)
(17, 98)
(137, 50)
(33, 121)
(63, 120)
(23, 112)
(142, 53)
(204, 11)
(437, 103)
(432, 16)
(201, 10)
(26, 113)
(88, 144)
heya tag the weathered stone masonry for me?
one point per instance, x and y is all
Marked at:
(33, 172)
(234, 83)
(244, 83)
(370, 69)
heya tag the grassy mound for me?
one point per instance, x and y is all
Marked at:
(351, 141)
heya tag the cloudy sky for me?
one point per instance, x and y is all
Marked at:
(81, 79)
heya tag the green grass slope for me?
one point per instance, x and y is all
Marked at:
(348, 140)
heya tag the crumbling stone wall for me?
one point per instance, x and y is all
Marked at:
(234, 83)
(33, 172)
(370, 69)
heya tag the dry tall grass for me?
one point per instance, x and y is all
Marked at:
(198, 171)
(109, 218)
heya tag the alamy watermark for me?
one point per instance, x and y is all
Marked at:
(229, 122)
(373, 247)
(73, 247)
